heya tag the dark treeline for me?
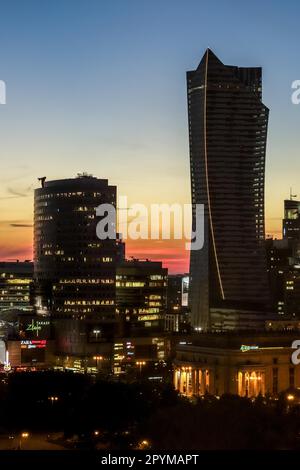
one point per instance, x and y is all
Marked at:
(126, 413)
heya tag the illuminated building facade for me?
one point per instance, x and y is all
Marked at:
(177, 292)
(15, 285)
(74, 271)
(30, 354)
(245, 365)
(279, 254)
(227, 133)
(177, 316)
(291, 221)
(77, 267)
(139, 354)
(284, 263)
(141, 295)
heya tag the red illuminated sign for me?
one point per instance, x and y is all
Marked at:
(34, 344)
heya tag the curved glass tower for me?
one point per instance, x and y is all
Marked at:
(227, 133)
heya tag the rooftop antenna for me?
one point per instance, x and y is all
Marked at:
(292, 196)
(42, 179)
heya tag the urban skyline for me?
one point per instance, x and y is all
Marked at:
(149, 230)
(75, 129)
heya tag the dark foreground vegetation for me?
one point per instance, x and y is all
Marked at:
(115, 415)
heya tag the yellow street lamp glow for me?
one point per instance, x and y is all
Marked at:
(144, 444)
(53, 398)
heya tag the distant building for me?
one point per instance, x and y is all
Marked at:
(236, 363)
(141, 296)
(15, 285)
(227, 133)
(291, 220)
(177, 292)
(141, 355)
(177, 317)
(279, 262)
(283, 260)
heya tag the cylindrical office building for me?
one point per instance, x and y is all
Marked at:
(74, 270)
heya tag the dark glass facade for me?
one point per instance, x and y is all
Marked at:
(74, 271)
(227, 133)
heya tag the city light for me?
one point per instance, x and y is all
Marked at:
(144, 444)
(53, 399)
(140, 363)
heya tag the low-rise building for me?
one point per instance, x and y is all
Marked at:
(15, 285)
(246, 364)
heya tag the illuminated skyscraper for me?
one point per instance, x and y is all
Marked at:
(227, 133)
(74, 271)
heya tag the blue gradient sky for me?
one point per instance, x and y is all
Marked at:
(100, 87)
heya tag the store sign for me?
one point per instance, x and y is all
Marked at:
(34, 327)
(34, 344)
(37, 326)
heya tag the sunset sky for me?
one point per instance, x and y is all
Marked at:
(99, 86)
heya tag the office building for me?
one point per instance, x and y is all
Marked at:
(291, 220)
(227, 133)
(141, 296)
(283, 261)
(177, 317)
(74, 271)
(15, 285)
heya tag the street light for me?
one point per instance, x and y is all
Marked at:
(98, 358)
(140, 364)
(96, 333)
(290, 397)
(144, 444)
(53, 399)
(23, 435)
